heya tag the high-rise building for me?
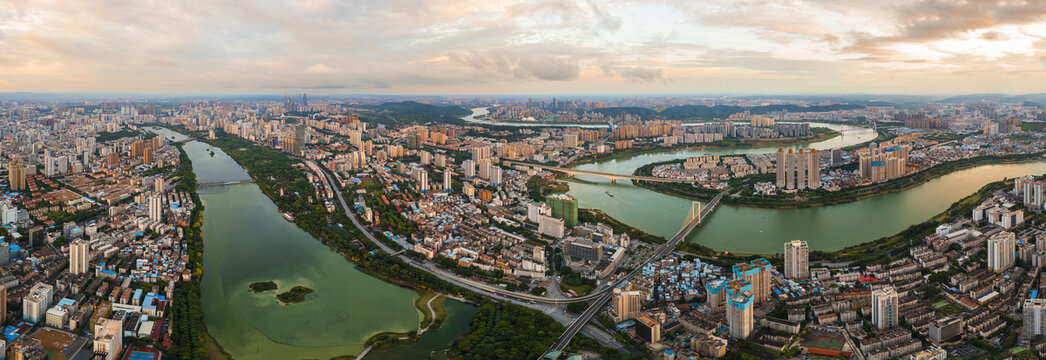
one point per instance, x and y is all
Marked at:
(1034, 318)
(468, 168)
(480, 153)
(837, 157)
(37, 236)
(447, 181)
(564, 207)
(796, 260)
(16, 175)
(108, 338)
(5, 255)
(946, 328)
(49, 165)
(299, 139)
(494, 174)
(789, 169)
(648, 329)
(138, 149)
(576, 248)
(155, 208)
(35, 305)
(739, 314)
(483, 169)
(570, 140)
(423, 180)
(813, 166)
(159, 185)
(780, 168)
(756, 272)
(800, 169)
(626, 304)
(884, 307)
(3, 303)
(1001, 247)
(78, 257)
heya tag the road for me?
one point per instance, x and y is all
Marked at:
(547, 307)
(662, 250)
(599, 296)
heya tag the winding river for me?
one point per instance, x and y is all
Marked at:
(754, 230)
(247, 240)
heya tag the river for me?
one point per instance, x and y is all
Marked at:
(247, 240)
(754, 230)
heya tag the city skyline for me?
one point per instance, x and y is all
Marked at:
(508, 47)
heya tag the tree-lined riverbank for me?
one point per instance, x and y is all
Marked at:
(820, 197)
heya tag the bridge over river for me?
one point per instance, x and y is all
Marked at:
(611, 176)
(604, 295)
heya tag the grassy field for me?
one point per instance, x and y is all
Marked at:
(580, 290)
(428, 318)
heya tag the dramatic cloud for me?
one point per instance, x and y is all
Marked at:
(523, 46)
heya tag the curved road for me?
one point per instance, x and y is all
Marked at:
(446, 275)
(601, 295)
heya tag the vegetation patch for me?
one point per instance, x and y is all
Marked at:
(263, 286)
(507, 331)
(295, 295)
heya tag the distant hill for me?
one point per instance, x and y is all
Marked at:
(641, 112)
(405, 112)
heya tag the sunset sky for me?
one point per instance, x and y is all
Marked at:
(523, 47)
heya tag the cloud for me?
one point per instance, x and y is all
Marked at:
(636, 74)
(471, 46)
(928, 21)
(318, 69)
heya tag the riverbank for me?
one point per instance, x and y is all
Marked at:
(271, 169)
(275, 174)
(186, 316)
(882, 250)
(258, 322)
(821, 197)
(725, 144)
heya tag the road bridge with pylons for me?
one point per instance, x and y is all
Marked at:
(604, 295)
(612, 177)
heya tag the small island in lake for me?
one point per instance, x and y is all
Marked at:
(295, 295)
(262, 286)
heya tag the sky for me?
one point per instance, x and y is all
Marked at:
(523, 47)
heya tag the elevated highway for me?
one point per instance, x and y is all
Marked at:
(604, 296)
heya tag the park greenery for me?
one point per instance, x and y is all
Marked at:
(405, 112)
(507, 331)
(188, 333)
(110, 136)
(538, 187)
